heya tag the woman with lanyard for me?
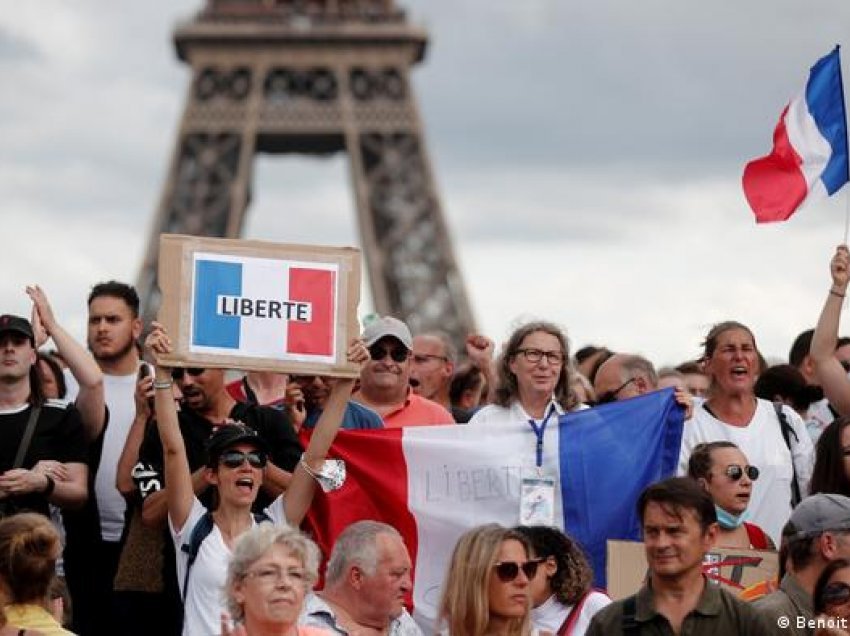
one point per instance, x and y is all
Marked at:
(236, 470)
(771, 436)
(532, 391)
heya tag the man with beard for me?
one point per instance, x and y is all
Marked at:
(95, 534)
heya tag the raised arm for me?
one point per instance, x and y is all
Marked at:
(301, 489)
(90, 400)
(832, 377)
(178, 478)
(130, 454)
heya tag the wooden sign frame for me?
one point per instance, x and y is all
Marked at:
(176, 278)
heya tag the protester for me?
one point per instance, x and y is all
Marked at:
(367, 580)
(270, 572)
(679, 527)
(468, 388)
(51, 376)
(29, 548)
(270, 389)
(829, 370)
(832, 599)
(237, 456)
(783, 383)
(487, 584)
(624, 376)
(563, 601)
(733, 413)
(815, 535)
(669, 377)
(696, 381)
(726, 475)
(832, 462)
(316, 389)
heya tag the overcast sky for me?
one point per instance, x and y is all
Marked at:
(588, 156)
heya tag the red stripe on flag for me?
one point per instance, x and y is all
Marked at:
(774, 185)
(375, 488)
(315, 286)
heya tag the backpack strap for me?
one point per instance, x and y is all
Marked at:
(787, 432)
(200, 532)
(629, 620)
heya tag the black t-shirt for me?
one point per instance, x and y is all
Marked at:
(58, 436)
(272, 425)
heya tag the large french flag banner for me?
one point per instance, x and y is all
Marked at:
(433, 483)
(263, 307)
(809, 156)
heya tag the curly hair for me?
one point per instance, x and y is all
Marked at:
(574, 576)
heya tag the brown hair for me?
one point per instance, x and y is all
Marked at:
(29, 547)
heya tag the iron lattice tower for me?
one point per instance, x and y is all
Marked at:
(316, 77)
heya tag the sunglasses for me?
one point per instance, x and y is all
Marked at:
(735, 472)
(835, 593)
(611, 396)
(507, 571)
(235, 458)
(177, 374)
(378, 353)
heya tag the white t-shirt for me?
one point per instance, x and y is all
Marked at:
(762, 442)
(818, 417)
(118, 393)
(551, 615)
(205, 597)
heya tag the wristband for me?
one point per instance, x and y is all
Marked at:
(835, 293)
(163, 384)
(50, 486)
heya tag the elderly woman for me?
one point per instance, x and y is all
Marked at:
(29, 547)
(271, 571)
(486, 590)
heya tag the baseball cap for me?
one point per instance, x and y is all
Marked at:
(229, 435)
(8, 322)
(817, 514)
(377, 327)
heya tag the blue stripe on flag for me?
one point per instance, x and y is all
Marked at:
(825, 100)
(608, 455)
(214, 278)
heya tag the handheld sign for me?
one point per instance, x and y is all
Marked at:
(259, 306)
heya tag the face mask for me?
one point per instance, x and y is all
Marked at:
(728, 521)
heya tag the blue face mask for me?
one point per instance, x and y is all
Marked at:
(728, 521)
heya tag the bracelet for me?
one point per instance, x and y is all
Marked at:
(163, 384)
(835, 293)
(50, 486)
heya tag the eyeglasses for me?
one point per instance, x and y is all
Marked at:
(735, 472)
(398, 354)
(274, 576)
(235, 458)
(177, 374)
(422, 358)
(835, 593)
(507, 571)
(536, 355)
(611, 396)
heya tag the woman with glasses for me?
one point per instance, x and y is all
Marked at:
(771, 436)
(271, 571)
(832, 599)
(561, 594)
(486, 589)
(725, 474)
(236, 459)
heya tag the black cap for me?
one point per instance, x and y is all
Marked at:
(8, 323)
(229, 435)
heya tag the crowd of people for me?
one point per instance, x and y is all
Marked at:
(136, 498)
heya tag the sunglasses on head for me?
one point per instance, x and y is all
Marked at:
(177, 374)
(735, 472)
(507, 571)
(398, 354)
(235, 458)
(835, 593)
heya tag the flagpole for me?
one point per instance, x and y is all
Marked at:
(846, 141)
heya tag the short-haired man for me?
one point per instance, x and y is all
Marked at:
(385, 378)
(624, 376)
(679, 526)
(817, 532)
(367, 579)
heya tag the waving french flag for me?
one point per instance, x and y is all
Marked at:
(809, 156)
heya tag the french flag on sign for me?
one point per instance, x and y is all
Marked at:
(809, 157)
(263, 307)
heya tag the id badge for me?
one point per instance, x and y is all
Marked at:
(537, 501)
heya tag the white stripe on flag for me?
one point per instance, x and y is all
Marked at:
(807, 141)
(264, 279)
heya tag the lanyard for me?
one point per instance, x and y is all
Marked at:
(539, 432)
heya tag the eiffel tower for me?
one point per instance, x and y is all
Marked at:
(314, 77)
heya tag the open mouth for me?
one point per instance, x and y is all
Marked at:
(739, 371)
(245, 484)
